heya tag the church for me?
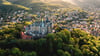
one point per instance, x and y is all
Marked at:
(39, 28)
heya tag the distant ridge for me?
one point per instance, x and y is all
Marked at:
(8, 6)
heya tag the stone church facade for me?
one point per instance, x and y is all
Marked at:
(40, 28)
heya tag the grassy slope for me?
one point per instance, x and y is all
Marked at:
(7, 3)
(8, 7)
(42, 4)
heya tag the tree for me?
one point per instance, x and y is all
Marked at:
(67, 53)
(16, 52)
(77, 52)
(87, 52)
(94, 49)
(41, 46)
(64, 35)
(58, 44)
(78, 33)
(72, 41)
(50, 40)
(29, 54)
(27, 23)
(2, 52)
(60, 52)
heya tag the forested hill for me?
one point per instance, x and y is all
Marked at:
(7, 7)
(42, 4)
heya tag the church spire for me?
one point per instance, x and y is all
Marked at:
(42, 23)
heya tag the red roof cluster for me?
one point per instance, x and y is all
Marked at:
(23, 36)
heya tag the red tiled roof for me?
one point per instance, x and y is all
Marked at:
(25, 36)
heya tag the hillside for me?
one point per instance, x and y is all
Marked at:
(7, 8)
(7, 3)
(42, 4)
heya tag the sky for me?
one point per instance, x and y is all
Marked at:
(92, 3)
(70, 1)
